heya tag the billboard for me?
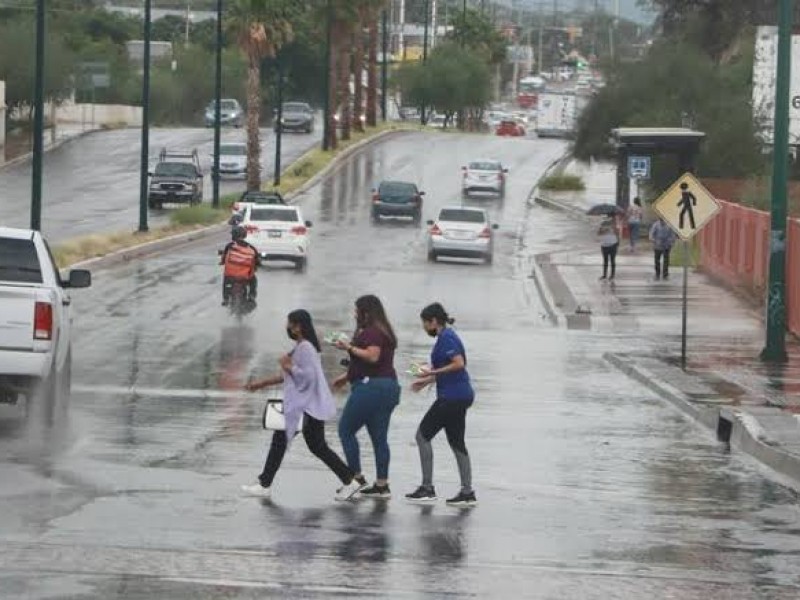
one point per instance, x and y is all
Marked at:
(765, 65)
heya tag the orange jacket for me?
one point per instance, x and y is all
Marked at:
(240, 261)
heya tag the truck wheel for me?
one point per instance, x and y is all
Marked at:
(431, 256)
(300, 264)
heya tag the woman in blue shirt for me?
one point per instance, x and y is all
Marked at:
(454, 395)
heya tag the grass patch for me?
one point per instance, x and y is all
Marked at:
(200, 214)
(562, 183)
(189, 218)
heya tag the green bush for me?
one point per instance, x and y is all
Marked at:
(562, 183)
(200, 214)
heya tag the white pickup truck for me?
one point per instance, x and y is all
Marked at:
(35, 318)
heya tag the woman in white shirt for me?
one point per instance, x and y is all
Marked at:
(634, 222)
(608, 235)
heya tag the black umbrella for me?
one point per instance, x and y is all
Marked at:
(605, 209)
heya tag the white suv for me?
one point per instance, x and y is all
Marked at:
(485, 175)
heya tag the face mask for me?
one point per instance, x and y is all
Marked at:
(431, 332)
(291, 334)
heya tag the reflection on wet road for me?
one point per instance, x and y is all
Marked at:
(91, 185)
(589, 486)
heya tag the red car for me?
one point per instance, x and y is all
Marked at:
(510, 128)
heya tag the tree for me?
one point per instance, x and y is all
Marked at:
(453, 79)
(476, 31)
(374, 9)
(262, 27)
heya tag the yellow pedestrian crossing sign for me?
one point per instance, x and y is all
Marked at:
(686, 206)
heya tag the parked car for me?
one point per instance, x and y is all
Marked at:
(231, 113)
(296, 116)
(397, 199)
(510, 128)
(232, 159)
(437, 121)
(35, 319)
(410, 113)
(278, 233)
(463, 233)
(177, 178)
(486, 175)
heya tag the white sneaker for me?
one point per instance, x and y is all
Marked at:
(347, 492)
(257, 490)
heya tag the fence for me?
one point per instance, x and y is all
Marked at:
(734, 247)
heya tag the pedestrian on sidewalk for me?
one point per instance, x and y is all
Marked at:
(608, 235)
(663, 238)
(454, 396)
(634, 222)
(306, 394)
(374, 391)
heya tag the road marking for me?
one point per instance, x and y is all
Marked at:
(156, 392)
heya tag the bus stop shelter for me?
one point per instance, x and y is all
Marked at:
(647, 142)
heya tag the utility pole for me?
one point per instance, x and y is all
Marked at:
(215, 174)
(38, 122)
(145, 158)
(775, 346)
(188, 19)
(423, 116)
(276, 179)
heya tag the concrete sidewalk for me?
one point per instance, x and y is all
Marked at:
(753, 406)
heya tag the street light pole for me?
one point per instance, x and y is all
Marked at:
(423, 116)
(384, 64)
(775, 347)
(215, 174)
(326, 105)
(276, 178)
(38, 122)
(145, 158)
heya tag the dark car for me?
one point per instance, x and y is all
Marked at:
(397, 199)
(177, 178)
(296, 116)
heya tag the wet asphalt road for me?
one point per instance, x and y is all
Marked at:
(91, 185)
(589, 486)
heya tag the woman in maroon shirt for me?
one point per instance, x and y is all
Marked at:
(374, 391)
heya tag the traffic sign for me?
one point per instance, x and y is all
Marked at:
(639, 167)
(686, 206)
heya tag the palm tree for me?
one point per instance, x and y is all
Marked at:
(261, 27)
(358, 63)
(374, 8)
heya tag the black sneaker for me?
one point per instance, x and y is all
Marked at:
(463, 499)
(382, 492)
(422, 494)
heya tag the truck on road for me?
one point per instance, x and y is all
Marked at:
(35, 319)
(557, 114)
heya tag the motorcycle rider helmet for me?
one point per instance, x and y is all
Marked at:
(238, 233)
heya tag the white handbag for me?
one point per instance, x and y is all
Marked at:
(273, 417)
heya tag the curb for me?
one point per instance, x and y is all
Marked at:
(26, 157)
(745, 432)
(169, 242)
(556, 205)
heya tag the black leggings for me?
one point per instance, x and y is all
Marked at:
(450, 415)
(610, 256)
(314, 434)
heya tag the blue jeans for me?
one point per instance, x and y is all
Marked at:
(633, 232)
(369, 404)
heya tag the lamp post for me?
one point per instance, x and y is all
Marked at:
(215, 174)
(775, 346)
(276, 178)
(38, 122)
(384, 63)
(145, 158)
(326, 104)
(423, 116)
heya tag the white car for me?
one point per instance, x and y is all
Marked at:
(461, 232)
(35, 319)
(437, 121)
(484, 175)
(232, 159)
(277, 233)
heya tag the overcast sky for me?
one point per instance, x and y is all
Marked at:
(627, 8)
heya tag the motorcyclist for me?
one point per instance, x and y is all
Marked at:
(240, 260)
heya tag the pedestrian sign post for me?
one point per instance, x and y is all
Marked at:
(686, 207)
(639, 167)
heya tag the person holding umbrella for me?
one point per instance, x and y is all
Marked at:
(608, 236)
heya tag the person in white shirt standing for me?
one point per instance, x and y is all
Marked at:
(608, 235)
(634, 222)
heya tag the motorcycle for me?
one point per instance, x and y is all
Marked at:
(240, 304)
